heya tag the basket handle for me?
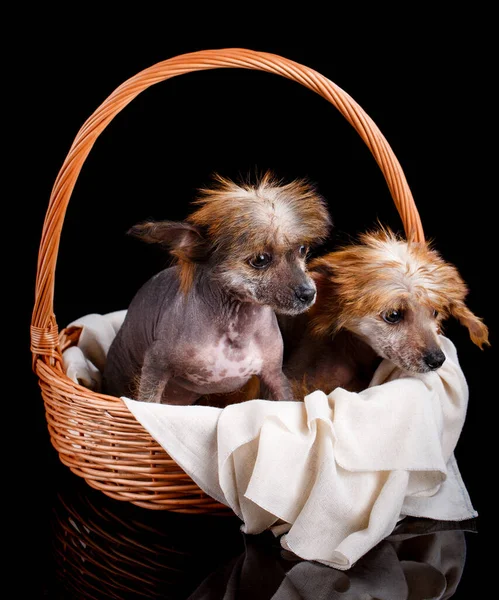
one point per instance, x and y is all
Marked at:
(44, 331)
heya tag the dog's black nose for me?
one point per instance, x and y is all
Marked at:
(434, 359)
(305, 293)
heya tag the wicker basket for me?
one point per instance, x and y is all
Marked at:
(95, 435)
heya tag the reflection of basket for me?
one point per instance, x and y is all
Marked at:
(94, 434)
(108, 549)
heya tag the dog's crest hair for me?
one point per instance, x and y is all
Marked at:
(240, 221)
(255, 216)
(385, 271)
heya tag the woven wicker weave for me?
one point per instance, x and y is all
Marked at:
(95, 435)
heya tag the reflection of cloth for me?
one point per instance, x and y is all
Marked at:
(335, 473)
(416, 566)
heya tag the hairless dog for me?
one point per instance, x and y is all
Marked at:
(207, 324)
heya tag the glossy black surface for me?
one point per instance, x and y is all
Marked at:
(432, 104)
(96, 547)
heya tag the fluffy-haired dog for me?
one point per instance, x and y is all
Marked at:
(207, 324)
(384, 297)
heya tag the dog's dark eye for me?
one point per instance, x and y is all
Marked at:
(302, 251)
(435, 314)
(260, 261)
(393, 316)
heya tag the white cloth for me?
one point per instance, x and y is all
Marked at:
(335, 473)
(84, 363)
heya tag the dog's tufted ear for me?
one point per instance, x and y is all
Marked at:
(185, 241)
(479, 332)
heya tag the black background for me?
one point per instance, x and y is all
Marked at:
(428, 91)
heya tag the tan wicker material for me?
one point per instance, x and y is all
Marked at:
(95, 435)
